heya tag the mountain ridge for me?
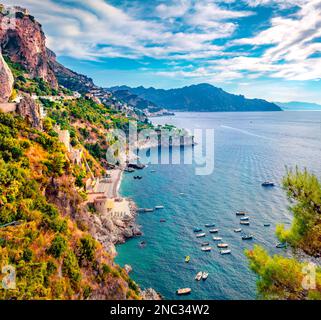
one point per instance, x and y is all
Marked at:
(202, 97)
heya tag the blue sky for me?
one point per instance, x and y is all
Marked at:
(268, 49)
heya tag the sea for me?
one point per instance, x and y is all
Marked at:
(247, 149)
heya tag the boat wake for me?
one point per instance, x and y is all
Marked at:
(246, 132)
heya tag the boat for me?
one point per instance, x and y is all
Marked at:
(217, 239)
(281, 245)
(209, 225)
(222, 245)
(204, 244)
(138, 177)
(183, 291)
(159, 207)
(141, 210)
(247, 237)
(245, 218)
(199, 276)
(148, 210)
(129, 170)
(245, 223)
(200, 235)
(207, 249)
(142, 244)
(268, 184)
(204, 276)
(240, 213)
(153, 171)
(162, 220)
(237, 230)
(225, 252)
(267, 225)
(214, 231)
(197, 230)
(187, 259)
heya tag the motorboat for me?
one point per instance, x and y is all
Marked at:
(200, 235)
(183, 291)
(268, 184)
(207, 249)
(222, 245)
(226, 252)
(245, 223)
(199, 276)
(204, 276)
(214, 231)
(159, 207)
(217, 239)
(247, 237)
(238, 230)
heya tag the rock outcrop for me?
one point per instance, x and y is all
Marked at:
(29, 109)
(25, 43)
(6, 81)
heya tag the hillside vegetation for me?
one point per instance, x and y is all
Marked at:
(283, 278)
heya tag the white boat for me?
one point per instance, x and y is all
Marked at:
(199, 276)
(148, 210)
(217, 239)
(222, 245)
(237, 230)
(183, 291)
(214, 230)
(245, 218)
(225, 252)
(240, 213)
(245, 223)
(159, 207)
(206, 249)
(205, 276)
(200, 235)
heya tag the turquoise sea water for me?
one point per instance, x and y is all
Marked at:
(249, 149)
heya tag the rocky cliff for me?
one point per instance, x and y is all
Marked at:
(6, 81)
(24, 42)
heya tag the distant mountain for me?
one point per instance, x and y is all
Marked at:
(298, 106)
(202, 97)
(135, 100)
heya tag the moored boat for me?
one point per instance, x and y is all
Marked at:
(222, 245)
(200, 235)
(267, 225)
(159, 207)
(238, 230)
(199, 276)
(162, 220)
(240, 213)
(148, 210)
(217, 238)
(281, 245)
(187, 259)
(245, 223)
(210, 225)
(205, 244)
(214, 231)
(245, 218)
(268, 184)
(197, 230)
(207, 249)
(247, 237)
(225, 252)
(205, 276)
(184, 291)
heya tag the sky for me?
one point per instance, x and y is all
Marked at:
(268, 49)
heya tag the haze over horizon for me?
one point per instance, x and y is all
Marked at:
(268, 49)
